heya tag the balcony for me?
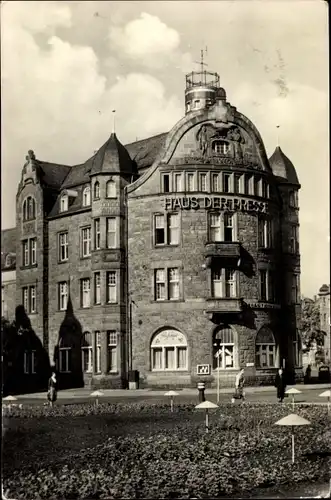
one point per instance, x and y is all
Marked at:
(222, 250)
(226, 305)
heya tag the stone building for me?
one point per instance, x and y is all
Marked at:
(176, 256)
(324, 305)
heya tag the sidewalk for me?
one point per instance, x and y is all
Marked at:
(190, 391)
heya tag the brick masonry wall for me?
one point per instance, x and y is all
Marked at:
(9, 285)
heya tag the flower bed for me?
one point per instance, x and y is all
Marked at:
(139, 450)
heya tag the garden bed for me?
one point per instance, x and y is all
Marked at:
(139, 450)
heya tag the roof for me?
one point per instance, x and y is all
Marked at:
(53, 173)
(112, 158)
(283, 167)
(8, 249)
(145, 152)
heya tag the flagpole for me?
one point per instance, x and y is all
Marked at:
(114, 112)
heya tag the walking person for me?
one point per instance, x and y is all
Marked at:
(280, 384)
(52, 389)
(239, 385)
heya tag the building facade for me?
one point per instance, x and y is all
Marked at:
(176, 256)
(324, 305)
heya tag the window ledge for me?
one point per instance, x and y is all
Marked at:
(179, 370)
(30, 266)
(168, 301)
(63, 261)
(166, 245)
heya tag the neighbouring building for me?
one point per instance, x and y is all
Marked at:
(176, 256)
(324, 304)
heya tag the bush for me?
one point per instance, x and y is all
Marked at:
(144, 451)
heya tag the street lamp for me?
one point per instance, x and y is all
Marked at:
(171, 394)
(292, 421)
(218, 356)
(293, 391)
(206, 405)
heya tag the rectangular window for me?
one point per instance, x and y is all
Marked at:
(157, 358)
(112, 350)
(215, 183)
(33, 298)
(97, 234)
(159, 284)
(33, 251)
(26, 363)
(25, 252)
(228, 227)
(230, 283)
(271, 286)
(165, 183)
(64, 359)
(86, 241)
(264, 188)
(182, 358)
(170, 358)
(173, 283)
(217, 283)
(97, 288)
(247, 182)
(237, 183)
(190, 182)
(203, 182)
(111, 287)
(63, 295)
(178, 182)
(257, 191)
(295, 289)
(226, 183)
(294, 239)
(98, 352)
(159, 221)
(25, 298)
(85, 292)
(264, 233)
(173, 229)
(215, 227)
(263, 284)
(29, 361)
(111, 232)
(63, 247)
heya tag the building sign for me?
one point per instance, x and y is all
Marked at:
(169, 338)
(215, 203)
(249, 364)
(203, 369)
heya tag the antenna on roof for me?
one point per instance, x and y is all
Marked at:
(201, 62)
(114, 111)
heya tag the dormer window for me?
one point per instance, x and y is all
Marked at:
(111, 189)
(221, 147)
(96, 190)
(29, 208)
(196, 103)
(87, 196)
(64, 203)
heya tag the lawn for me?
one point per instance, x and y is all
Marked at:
(136, 450)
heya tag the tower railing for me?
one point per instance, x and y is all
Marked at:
(202, 78)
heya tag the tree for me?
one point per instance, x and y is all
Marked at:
(309, 326)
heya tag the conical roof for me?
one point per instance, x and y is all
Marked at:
(292, 419)
(206, 405)
(112, 158)
(283, 167)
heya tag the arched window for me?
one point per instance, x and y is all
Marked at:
(29, 208)
(87, 196)
(96, 190)
(111, 189)
(64, 203)
(221, 147)
(64, 356)
(297, 349)
(169, 351)
(265, 348)
(87, 353)
(223, 348)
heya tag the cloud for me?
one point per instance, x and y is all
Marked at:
(150, 42)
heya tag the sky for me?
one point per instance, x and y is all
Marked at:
(66, 65)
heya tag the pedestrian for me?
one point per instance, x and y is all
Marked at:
(280, 384)
(239, 385)
(308, 374)
(52, 389)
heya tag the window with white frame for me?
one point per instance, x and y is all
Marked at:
(226, 183)
(97, 288)
(215, 233)
(223, 348)
(64, 356)
(86, 241)
(112, 350)
(85, 285)
(173, 283)
(25, 252)
(30, 360)
(87, 353)
(97, 234)
(265, 239)
(111, 189)
(237, 183)
(160, 284)
(224, 283)
(111, 232)
(203, 182)
(33, 251)
(169, 351)
(165, 183)
(221, 147)
(29, 252)
(29, 299)
(86, 196)
(228, 227)
(96, 190)
(294, 239)
(64, 203)
(265, 349)
(178, 182)
(190, 182)
(98, 352)
(63, 247)
(166, 229)
(111, 287)
(29, 209)
(63, 295)
(215, 187)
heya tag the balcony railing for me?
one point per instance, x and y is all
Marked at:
(225, 305)
(222, 249)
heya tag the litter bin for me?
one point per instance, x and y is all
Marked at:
(324, 374)
(134, 379)
(201, 389)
